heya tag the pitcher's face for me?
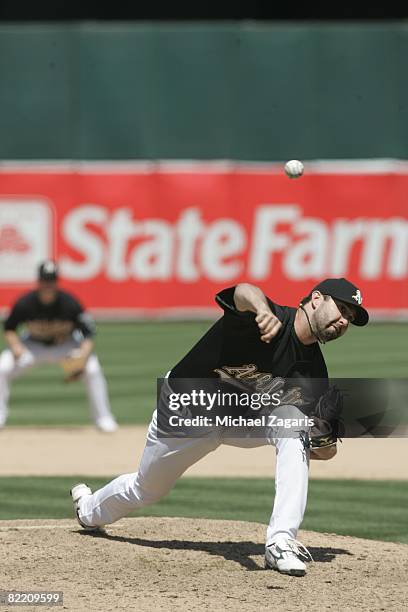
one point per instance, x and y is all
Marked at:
(331, 318)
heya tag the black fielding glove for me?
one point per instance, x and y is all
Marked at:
(327, 417)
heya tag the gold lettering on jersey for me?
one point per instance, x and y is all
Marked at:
(248, 375)
(261, 381)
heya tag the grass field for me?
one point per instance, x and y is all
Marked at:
(134, 354)
(374, 510)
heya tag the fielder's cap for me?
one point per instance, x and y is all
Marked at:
(341, 289)
(48, 271)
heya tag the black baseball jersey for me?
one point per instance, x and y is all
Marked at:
(50, 323)
(232, 348)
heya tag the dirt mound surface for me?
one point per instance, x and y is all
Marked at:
(188, 564)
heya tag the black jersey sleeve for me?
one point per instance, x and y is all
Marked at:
(16, 316)
(242, 324)
(225, 299)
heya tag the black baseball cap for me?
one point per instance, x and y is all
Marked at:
(341, 289)
(48, 271)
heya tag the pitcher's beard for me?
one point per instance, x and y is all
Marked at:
(321, 332)
(324, 333)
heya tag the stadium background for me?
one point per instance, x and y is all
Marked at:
(145, 122)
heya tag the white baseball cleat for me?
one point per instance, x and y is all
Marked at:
(284, 555)
(77, 493)
(107, 424)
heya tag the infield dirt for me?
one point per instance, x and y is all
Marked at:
(190, 564)
(83, 450)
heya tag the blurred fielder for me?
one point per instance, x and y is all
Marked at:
(57, 330)
(257, 339)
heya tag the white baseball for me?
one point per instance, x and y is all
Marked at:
(294, 168)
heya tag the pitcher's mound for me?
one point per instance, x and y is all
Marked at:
(195, 564)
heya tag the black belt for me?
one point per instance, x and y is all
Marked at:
(50, 342)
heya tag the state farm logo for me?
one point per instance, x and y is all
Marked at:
(120, 246)
(25, 239)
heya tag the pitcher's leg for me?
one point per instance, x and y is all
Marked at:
(164, 460)
(291, 484)
(292, 471)
(97, 391)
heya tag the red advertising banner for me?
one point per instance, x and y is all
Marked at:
(148, 239)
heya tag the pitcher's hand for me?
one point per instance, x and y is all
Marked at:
(268, 324)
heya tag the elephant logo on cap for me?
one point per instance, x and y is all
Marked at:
(358, 297)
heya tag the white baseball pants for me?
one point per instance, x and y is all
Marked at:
(38, 353)
(164, 460)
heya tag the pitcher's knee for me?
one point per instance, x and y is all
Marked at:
(141, 494)
(289, 423)
(288, 440)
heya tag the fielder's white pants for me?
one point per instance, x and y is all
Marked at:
(38, 353)
(164, 460)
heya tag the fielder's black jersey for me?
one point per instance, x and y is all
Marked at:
(232, 348)
(50, 323)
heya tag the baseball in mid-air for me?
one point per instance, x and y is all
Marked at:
(294, 168)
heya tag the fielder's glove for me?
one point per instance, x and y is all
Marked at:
(73, 365)
(327, 417)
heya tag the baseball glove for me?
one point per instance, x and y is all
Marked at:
(327, 417)
(73, 366)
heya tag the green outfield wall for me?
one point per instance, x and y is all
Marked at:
(239, 91)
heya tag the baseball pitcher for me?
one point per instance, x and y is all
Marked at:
(57, 330)
(254, 337)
